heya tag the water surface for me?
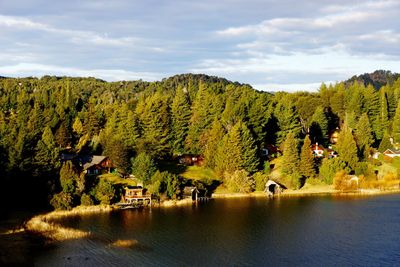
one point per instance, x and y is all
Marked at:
(298, 231)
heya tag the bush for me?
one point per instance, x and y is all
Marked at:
(239, 181)
(62, 201)
(86, 200)
(104, 192)
(329, 168)
(340, 180)
(296, 180)
(260, 180)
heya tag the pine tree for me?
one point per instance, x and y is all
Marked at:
(288, 120)
(307, 165)
(385, 143)
(396, 125)
(249, 150)
(383, 115)
(319, 126)
(229, 153)
(181, 113)
(46, 157)
(363, 134)
(214, 137)
(346, 147)
(154, 116)
(68, 177)
(290, 157)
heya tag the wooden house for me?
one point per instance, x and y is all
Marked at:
(190, 192)
(318, 150)
(190, 160)
(96, 164)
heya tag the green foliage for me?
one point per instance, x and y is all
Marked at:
(239, 181)
(385, 143)
(68, 178)
(307, 164)
(363, 134)
(329, 168)
(288, 120)
(62, 201)
(86, 200)
(346, 147)
(143, 167)
(396, 125)
(290, 157)
(104, 192)
(181, 113)
(214, 137)
(260, 179)
(319, 126)
(267, 167)
(237, 151)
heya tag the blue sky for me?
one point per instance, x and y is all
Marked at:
(271, 45)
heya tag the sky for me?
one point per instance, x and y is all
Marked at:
(270, 44)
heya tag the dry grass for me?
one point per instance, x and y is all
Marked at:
(127, 243)
(42, 223)
(53, 231)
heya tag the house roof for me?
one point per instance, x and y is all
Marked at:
(89, 161)
(391, 151)
(316, 147)
(188, 190)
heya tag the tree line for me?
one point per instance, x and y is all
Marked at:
(229, 123)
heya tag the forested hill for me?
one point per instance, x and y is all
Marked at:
(377, 78)
(229, 123)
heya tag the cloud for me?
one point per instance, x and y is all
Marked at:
(342, 25)
(37, 70)
(75, 36)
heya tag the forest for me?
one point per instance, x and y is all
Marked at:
(143, 126)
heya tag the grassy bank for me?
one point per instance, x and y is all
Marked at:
(44, 224)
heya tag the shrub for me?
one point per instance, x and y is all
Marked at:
(104, 192)
(62, 201)
(86, 200)
(340, 180)
(260, 180)
(329, 168)
(239, 181)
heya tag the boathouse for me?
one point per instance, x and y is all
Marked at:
(190, 192)
(136, 195)
(272, 188)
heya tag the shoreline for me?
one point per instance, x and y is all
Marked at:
(44, 225)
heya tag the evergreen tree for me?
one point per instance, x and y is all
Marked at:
(154, 116)
(47, 154)
(181, 113)
(214, 137)
(290, 157)
(385, 143)
(383, 115)
(307, 165)
(288, 120)
(249, 150)
(363, 134)
(346, 147)
(143, 168)
(396, 125)
(68, 177)
(319, 126)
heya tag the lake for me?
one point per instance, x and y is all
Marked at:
(290, 231)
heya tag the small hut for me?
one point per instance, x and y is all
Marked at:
(272, 188)
(191, 192)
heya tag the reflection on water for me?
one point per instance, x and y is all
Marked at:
(308, 231)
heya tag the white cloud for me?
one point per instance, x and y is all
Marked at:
(75, 36)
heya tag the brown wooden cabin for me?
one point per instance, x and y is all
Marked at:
(190, 192)
(190, 160)
(97, 165)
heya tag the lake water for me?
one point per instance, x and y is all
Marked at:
(298, 231)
